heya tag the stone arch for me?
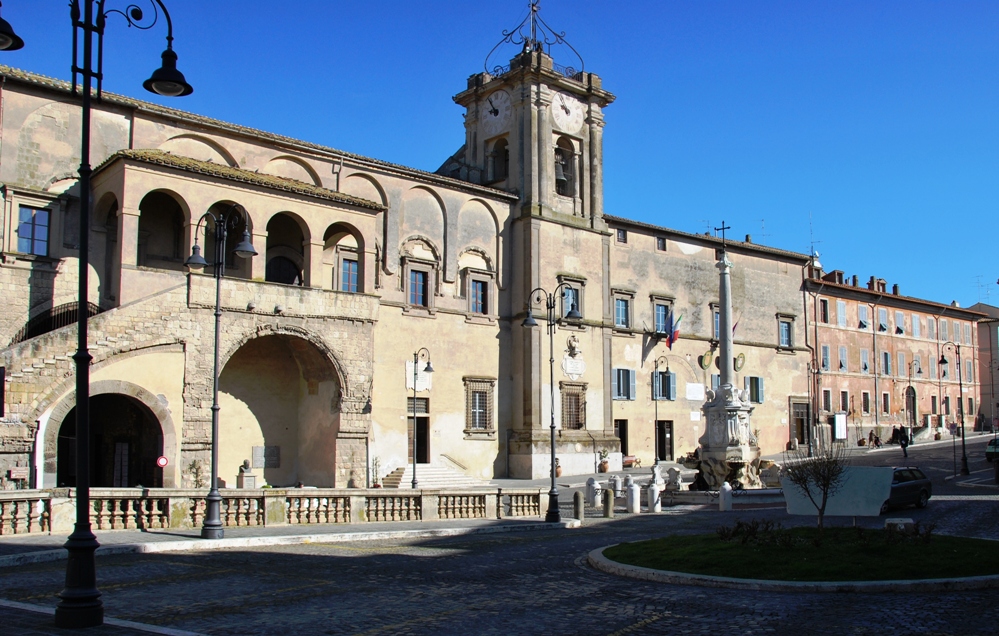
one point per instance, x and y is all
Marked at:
(281, 390)
(343, 241)
(112, 387)
(424, 212)
(425, 241)
(480, 253)
(161, 240)
(287, 236)
(198, 147)
(294, 168)
(364, 186)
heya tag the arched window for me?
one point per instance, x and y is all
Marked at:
(501, 160)
(285, 251)
(565, 173)
(161, 231)
(283, 270)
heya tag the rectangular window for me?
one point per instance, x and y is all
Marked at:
(717, 319)
(570, 299)
(885, 363)
(479, 404)
(754, 385)
(946, 405)
(882, 319)
(622, 313)
(841, 313)
(825, 357)
(573, 405)
(865, 361)
(661, 313)
(418, 288)
(863, 319)
(933, 404)
(826, 400)
(623, 384)
(33, 231)
(931, 328)
(967, 334)
(664, 385)
(899, 322)
(824, 310)
(842, 359)
(865, 402)
(348, 275)
(969, 371)
(784, 334)
(661, 243)
(901, 362)
(479, 297)
(622, 236)
(933, 367)
(943, 330)
(844, 401)
(916, 330)
(971, 405)
(886, 403)
(715, 381)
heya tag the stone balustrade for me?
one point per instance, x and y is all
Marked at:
(54, 511)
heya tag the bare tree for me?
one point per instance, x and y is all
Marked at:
(819, 477)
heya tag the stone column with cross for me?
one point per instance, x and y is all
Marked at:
(728, 449)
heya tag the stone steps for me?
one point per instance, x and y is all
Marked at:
(431, 477)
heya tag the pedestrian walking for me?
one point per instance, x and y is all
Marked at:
(903, 441)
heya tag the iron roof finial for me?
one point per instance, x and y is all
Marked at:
(534, 34)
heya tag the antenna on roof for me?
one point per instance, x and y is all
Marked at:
(763, 230)
(811, 236)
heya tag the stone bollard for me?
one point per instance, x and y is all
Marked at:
(593, 492)
(725, 497)
(578, 505)
(609, 504)
(633, 498)
(674, 481)
(628, 481)
(615, 484)
(655, 501)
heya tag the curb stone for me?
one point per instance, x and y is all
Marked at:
(598, 561)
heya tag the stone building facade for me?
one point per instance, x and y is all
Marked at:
(360, 264)
(878, 360)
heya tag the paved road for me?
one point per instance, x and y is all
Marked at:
(519, 583)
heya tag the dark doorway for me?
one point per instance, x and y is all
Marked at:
(621, 431)
(910, 406)
(125, 441)
(421, 438)
(664, 435)
(799, 420)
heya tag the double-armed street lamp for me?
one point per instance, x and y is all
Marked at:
(960, 401)
(80, 604)
(540, 297)
(222, 224)
(657, 394)
(422, 354)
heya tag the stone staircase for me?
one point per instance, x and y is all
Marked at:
(431, 477)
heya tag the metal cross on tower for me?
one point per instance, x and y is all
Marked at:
(722, 230)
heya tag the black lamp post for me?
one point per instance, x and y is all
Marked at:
(80, 604)
(960, 401)
(657, 394)
(222, 223)
(539, 296)
(422, 354)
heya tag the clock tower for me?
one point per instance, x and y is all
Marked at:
(534, 127)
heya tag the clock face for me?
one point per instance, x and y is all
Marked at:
(494, 111)
(567, 111)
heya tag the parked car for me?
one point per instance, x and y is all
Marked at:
(909, 486)
(992, 450)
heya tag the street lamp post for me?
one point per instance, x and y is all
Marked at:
(222, 223)
(422, 354)
(657, 394)
(80, 604)
(960, 401)
(539, 296)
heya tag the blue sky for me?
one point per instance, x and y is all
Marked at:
(870, 128)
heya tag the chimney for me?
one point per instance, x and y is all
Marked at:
(856, 280)
(872, 284)
(749, 238)
(894, 289)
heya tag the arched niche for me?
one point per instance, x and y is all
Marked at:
(364, 187)
(292, 168)
(162, 241)
(200, 148)
(423, 214)
(286, 237)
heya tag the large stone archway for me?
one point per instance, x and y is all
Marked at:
(280, 399)
(136, 404)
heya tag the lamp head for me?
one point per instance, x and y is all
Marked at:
(245, 249)
(529, 320)
(573, 312)
(9, 41)
(167, 80)
(196, 260)
(943, 360)
(428, 368)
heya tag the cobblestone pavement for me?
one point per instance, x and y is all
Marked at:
(518, 583)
